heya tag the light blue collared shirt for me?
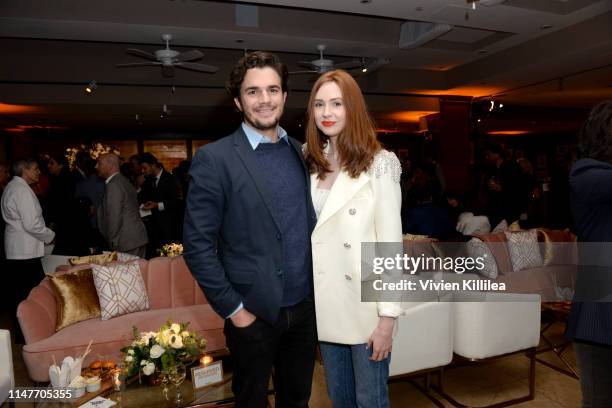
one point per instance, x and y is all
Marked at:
(255, 138)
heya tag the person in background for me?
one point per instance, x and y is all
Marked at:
(64, 214)
(181, 172)
(118, 216)
(505, 196)
(429, 215)
(89, 193)
(590, 322)
(355, 185)
(161, 195)
(25, 235)
(4, 179)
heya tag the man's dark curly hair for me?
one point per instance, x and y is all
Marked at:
(595, 137)
(256, 59)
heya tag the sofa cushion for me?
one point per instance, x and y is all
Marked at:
(120, 288)
(109, 336)
(524, 249)
(478, 249)
(544, 281)
(558, 246)
(498, 244)
(170, 284)
(76, 297)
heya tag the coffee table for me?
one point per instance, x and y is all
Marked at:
(136, 395)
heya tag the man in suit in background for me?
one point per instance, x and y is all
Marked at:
(161, 194)
(247, 240)
(118, 218)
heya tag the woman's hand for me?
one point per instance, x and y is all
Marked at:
(381, 339)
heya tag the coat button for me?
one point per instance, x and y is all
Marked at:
(347, 245)
(279, 272)
(352, 211)
(347, 277)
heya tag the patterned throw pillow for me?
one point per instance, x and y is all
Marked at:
(125, 257)
(524, 249)
(477, 248)
(120, 288)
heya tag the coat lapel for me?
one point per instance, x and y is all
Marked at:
(342, 191)
(247, 155)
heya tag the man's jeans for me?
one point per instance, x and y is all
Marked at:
(353, 380)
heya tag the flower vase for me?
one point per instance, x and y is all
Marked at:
(156, 377)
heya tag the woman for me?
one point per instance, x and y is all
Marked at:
(357, 197)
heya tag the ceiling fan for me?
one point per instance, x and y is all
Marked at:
(168, 59)
(322, 65)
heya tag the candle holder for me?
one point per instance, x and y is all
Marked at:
(205, 360)
(118, 379)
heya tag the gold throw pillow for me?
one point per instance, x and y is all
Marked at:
(76, 297)
(99, 259)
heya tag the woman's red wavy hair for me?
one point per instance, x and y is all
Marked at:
(357, 144)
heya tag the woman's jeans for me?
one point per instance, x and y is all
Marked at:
(353, 380)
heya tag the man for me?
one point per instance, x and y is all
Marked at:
(506, 196)
(26, 234)
(64, 215)
(118, 218)
(161, 194)
(247, 240)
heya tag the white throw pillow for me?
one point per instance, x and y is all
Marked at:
(477, 248)
(524, 249)
(120, 288)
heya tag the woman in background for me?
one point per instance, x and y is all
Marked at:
(357, 197)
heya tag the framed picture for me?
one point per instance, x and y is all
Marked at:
(207, 375)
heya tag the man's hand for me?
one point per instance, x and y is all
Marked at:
(149, 205)
(381, 339)
(243, 318)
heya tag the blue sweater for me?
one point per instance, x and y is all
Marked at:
(287, 186)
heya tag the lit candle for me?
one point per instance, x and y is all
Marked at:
(205, 360)
(117, 379)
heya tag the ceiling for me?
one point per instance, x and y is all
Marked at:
(534, 54)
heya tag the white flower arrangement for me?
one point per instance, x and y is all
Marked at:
(158, 351)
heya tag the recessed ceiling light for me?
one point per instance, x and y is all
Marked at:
(364, 70)
(545, 26)
(92, 86)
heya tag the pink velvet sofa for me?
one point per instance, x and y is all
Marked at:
(173, 294)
